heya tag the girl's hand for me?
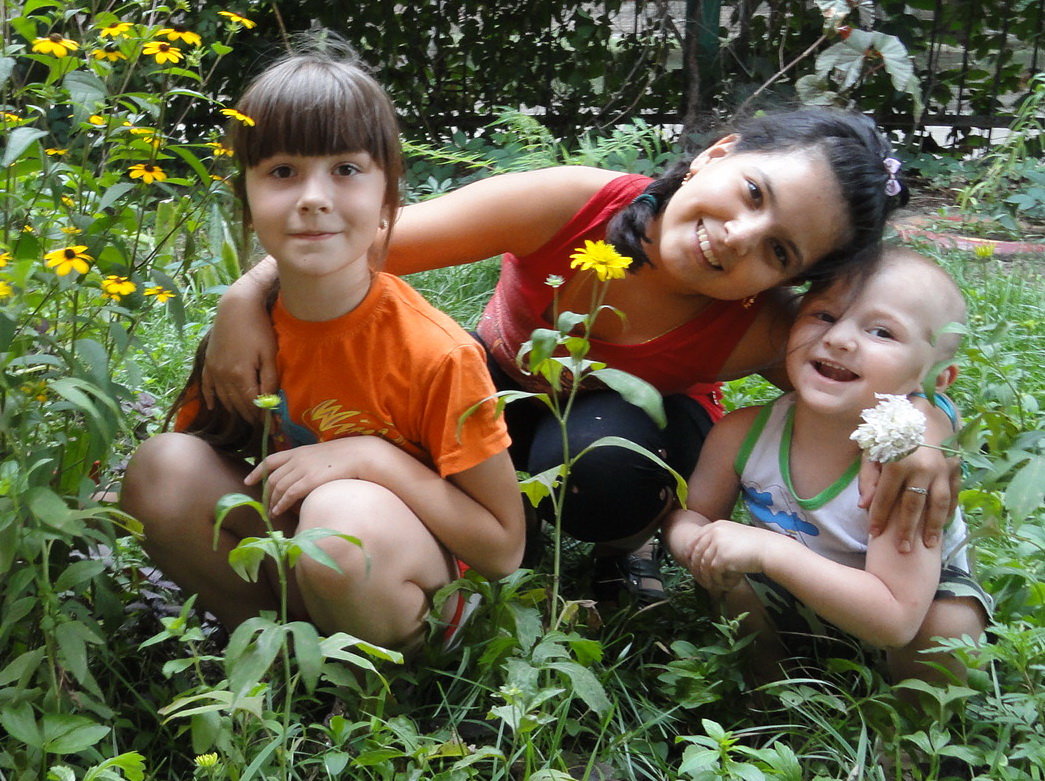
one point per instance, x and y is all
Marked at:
(294, 474)
(240, 363)
(724, 551)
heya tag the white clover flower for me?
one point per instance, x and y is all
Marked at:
(554, 280)
(891, 430)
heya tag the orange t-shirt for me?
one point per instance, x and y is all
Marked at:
(394, 367)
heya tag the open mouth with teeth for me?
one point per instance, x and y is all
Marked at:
(833, 371)
(705, 247)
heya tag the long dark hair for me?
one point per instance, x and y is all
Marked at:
(853, 148)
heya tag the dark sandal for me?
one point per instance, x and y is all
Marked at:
(613, 576)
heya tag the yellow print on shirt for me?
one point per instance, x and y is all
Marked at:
(330, 421)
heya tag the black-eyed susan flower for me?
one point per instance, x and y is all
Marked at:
(177, 32)
(96, 119)
(602, 258)
(116, 287)
(55, 44)
(162, 294)
(117, 30)
(70, 230)
(7, 116)
(238, 116)
(5, 258)
(69, 259)
(110, 53)
(147, 172)
(218, 149)
(6, 291)
(163, 52)
(55, 152)
(237, 19)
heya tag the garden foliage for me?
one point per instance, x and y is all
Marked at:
(117, 230)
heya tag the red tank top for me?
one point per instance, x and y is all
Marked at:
(686, 359)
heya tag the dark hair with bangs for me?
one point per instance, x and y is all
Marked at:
(319, 100)
(853, 148)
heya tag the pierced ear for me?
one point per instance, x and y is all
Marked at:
(719, 149)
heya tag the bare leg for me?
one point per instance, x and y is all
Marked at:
(946, 618)
(172, 485)
(384, 590)
(766, 655)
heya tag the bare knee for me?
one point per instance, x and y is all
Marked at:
(948, 619)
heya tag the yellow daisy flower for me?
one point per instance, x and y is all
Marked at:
(115, 287)
(55, 44)
(5, 258)
(55, 152)
(96, 120)
(219, 149)
(69, 259)
(602, 258)
(162, 51)
(69, 230)
(162, 294)
(239, 117)
(118, 30)
(109, 52)
(6, 291)
(147, 172)
(177, 32)
(68, 201)
(237, 19)
(7, 116)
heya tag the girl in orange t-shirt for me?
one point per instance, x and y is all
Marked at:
(373, 385)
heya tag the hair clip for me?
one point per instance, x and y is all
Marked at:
(892, 184)
(650, 200)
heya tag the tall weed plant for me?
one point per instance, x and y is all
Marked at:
(114, 231)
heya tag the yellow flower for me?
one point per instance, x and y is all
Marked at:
(177, 32)
(69, 259)
(96, 120)
(206, 760)
(5, 258)
(220, 150)
(601, 258)
(55, 44)
(56, 152)
(115, 287)
(984, 251)
(108, 52)
(117, 30)
(6, 291)
(237, 19)
(147, 172)
(38, 390)
(7, 116)
(69, 230)
(239, 117)
(162, 51)
(162, 294)
(267, 401)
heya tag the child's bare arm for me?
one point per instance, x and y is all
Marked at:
(884, 604)
(477, 514)
(713, 486)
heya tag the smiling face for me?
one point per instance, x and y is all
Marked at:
(847, 345)
(316, 214)
(748, 221)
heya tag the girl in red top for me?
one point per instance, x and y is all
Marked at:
(374, 382)
(716, 241)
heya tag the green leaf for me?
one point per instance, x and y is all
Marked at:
(86, 91)
(307, 651)
(635, 391)
(585, 685)
(7, 65)
(245, 559)
(193, 161)
(24, 664)
(18, 140)
(113, 194)
(67, 734)
(19, 722)
(49, 507)
(1027, 490)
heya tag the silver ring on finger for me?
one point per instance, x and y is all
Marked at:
(918, 490)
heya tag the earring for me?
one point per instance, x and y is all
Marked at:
(687, 177)
(383, 224)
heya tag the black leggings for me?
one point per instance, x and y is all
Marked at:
(614, 492)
